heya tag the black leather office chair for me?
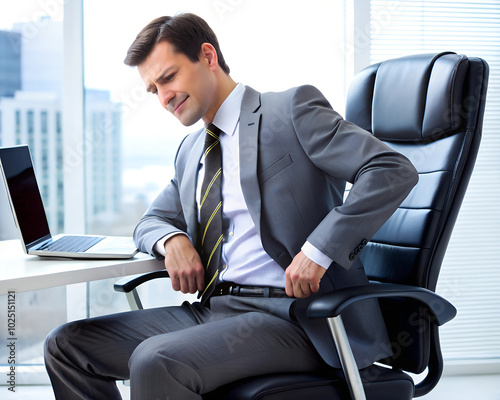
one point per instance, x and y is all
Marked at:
(430, 108)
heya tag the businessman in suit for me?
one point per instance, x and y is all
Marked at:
(285, 235)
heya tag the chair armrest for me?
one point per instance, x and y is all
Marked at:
(332, 304)
(126, 285)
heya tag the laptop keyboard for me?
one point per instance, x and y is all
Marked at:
(74, 244)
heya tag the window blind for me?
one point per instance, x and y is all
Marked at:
(470, 276)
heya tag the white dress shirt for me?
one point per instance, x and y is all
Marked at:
(244, 259)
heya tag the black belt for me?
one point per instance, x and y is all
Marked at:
(228, 288)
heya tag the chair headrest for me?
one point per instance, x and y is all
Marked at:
(410, 98)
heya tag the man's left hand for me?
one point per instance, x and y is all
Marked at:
(303, 276)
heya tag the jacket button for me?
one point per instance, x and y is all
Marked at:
(352, 257)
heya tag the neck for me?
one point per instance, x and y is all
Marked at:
(224, 88)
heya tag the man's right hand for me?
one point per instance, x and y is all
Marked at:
(184, 265)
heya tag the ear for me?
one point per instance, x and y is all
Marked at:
(209, 55)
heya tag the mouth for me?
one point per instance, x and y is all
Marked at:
(177, 105)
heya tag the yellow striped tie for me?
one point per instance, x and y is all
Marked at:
(211, 236)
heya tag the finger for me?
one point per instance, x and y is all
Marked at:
(192, 285)
(175, 283)
(200, 280)
(188, 279)
(304, 290)
(184, 285)
(314, 287)
(289, 286)
(196, 279)
(297, 290)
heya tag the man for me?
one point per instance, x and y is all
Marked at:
(281, 234)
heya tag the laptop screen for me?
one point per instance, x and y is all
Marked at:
(24, 193)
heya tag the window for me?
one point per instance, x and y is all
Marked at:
(470, 276)
(31, 65)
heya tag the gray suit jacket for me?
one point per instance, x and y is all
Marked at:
(296, 154)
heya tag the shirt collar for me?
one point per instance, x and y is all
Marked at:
(228, 114)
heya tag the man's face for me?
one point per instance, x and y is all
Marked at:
(184, 88)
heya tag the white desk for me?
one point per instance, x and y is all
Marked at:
(20, 272)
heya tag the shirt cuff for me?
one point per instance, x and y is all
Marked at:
(160, 244)
(316, 255)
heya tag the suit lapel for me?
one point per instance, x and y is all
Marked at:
(249, 146)
(249, 140)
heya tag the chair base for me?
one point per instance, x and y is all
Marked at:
(379, 383)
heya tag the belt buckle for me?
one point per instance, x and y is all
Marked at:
(233, 290)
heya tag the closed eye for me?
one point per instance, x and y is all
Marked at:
(164, 78)
(167, 78)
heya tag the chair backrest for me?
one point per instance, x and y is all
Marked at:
(430, 108)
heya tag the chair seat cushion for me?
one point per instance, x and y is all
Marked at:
(379, 383)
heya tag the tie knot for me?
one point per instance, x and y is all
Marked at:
(212, 130)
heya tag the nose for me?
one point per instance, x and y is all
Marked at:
(165, 96)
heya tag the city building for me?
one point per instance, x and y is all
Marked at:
(10, 63)
(31, 79)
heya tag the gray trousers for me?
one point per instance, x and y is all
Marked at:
(177, 352)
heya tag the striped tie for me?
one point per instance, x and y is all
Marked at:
(211, 210)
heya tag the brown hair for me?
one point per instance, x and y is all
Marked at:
(186, 32)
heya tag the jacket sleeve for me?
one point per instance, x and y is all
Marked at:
(381, 177)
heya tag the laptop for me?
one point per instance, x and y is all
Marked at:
(31, 220)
